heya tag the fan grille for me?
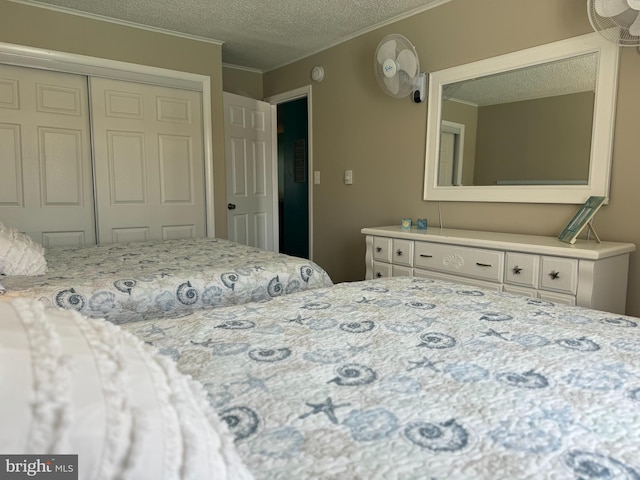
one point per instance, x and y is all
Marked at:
(403, 82)
(614, 29)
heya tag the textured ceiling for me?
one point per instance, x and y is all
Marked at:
(256, 34)
(561, 77)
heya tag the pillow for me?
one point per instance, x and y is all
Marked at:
(74, 385)
(19, 254)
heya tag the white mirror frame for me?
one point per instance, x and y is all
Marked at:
(602, 132)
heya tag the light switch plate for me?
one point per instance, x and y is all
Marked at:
(316, 177)
(348, 177)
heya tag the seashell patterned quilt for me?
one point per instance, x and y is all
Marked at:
(163, 279)
(407, 378)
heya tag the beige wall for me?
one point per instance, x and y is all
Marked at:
(41, 28)
(356, 126)
(542, 139)
(242, 81)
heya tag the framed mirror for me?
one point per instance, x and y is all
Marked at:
(532, 126)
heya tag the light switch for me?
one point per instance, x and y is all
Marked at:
(316, 177)
(348, 177)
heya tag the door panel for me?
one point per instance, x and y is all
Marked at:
(238, 167)
(149, 161)
(250, 175)
(11, 161)
(260, 228)
(127, 168)
(239, 231)
(61, 166)
(46, 186)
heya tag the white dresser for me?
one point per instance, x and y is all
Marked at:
(587, 273)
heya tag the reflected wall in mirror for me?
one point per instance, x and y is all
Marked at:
(531, 126)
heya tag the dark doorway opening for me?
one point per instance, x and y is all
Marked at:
(293, 175)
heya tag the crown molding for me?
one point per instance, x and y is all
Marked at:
(410, 13)
(125, 23)
(240, 67)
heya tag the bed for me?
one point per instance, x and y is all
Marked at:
(408, 378)
(159, 279)
(413, 378)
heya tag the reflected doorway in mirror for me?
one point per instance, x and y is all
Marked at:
(450, 166)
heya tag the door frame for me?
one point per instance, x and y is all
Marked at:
(284, 97)
(32, 57)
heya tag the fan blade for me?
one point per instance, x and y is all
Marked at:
(386, 50)
(610, 8)
(408, 62)
(393, 84)
(634, 29)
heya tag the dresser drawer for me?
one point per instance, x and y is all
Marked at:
(522, 269)
(457, 279)
(559, 274)
(381, 269)
(402, 252)
(382, 249)
(472, 262)
(401, 271)
(558, 298)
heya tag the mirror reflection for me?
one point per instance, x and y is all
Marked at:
(529, 126)
(534, 126)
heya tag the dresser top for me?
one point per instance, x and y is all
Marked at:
(536, 244)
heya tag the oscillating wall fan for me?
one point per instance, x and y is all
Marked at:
(397, 68)
(616, 20)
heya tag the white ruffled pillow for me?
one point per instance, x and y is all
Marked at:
(19, 254)
(73, 385)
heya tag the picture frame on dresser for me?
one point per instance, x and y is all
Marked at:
(582, 218)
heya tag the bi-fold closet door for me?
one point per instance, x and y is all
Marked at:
(86, 159)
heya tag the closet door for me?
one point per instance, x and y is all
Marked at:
(149, 163)
(46, 186)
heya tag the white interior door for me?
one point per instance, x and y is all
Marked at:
(251, 212)
(46, 185)
(149, 162)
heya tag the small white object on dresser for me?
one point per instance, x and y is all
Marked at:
(587, 273)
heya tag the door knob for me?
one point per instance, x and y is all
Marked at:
(231, 206)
